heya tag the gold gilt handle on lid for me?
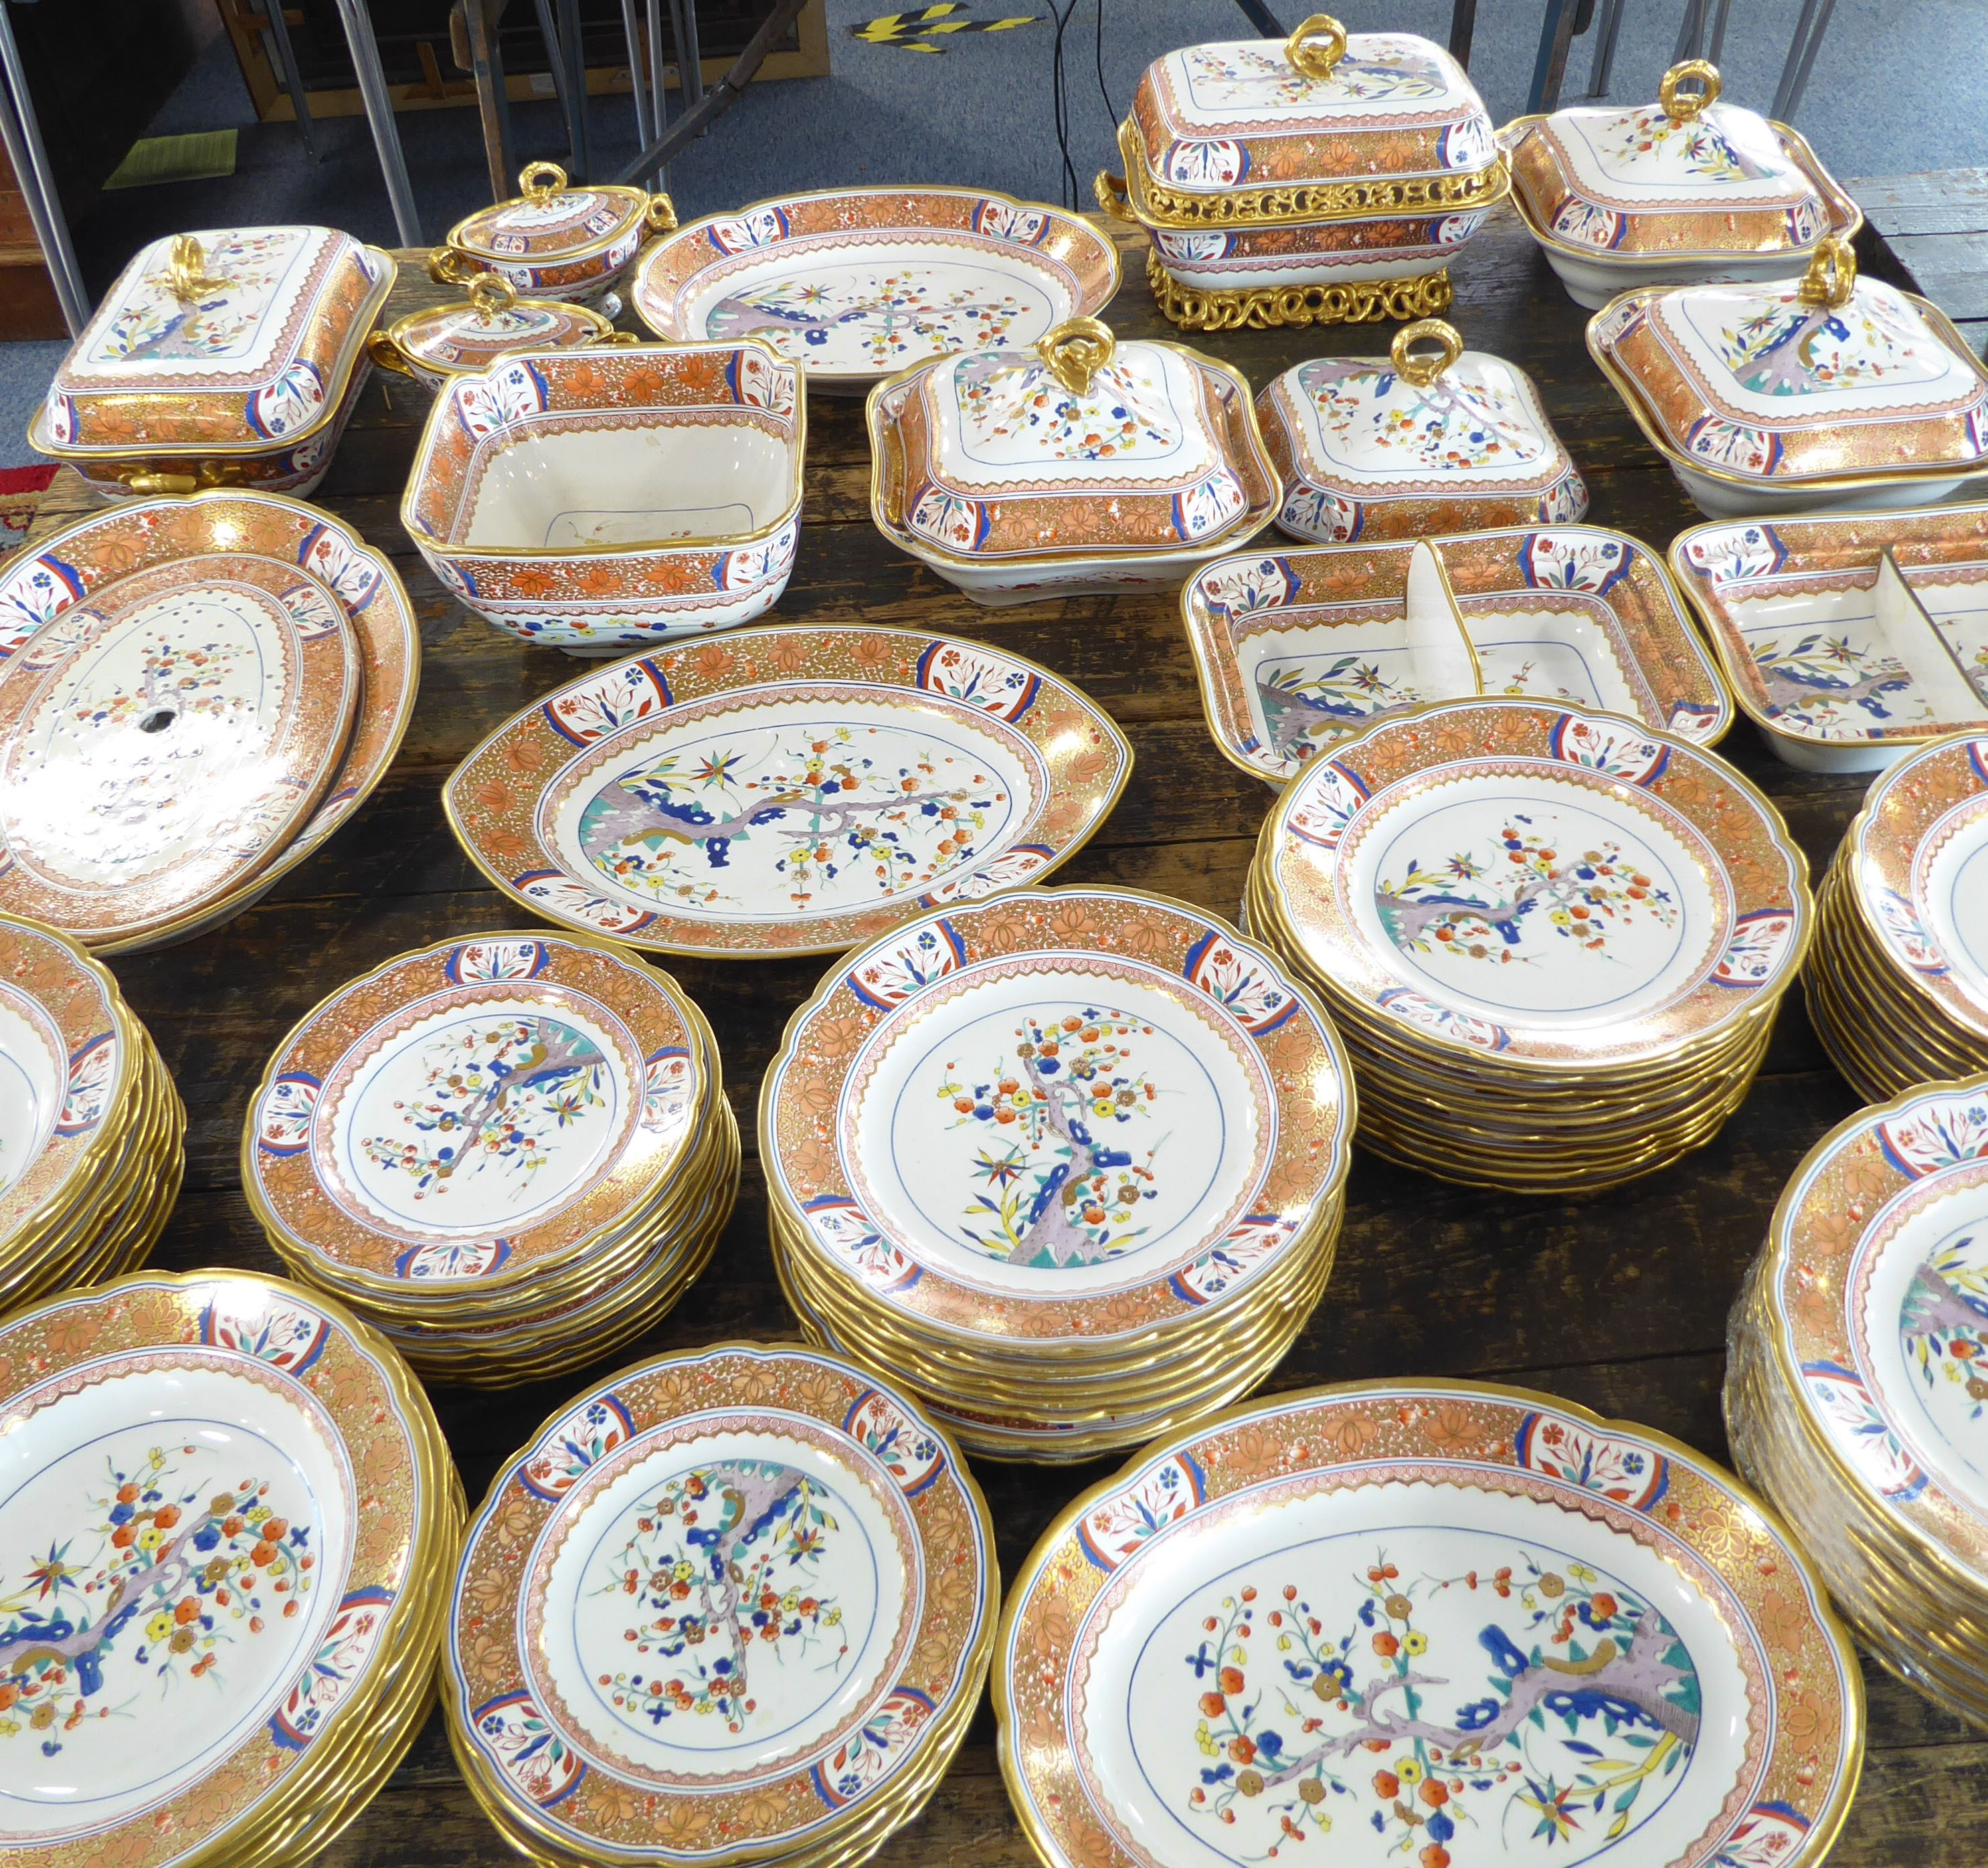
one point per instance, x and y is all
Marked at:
(539, 181)
(449, 265)
(1316, 47)
(491, 294)
(1680, 105)
(186, 270)
(1075, 350)
(1831, 276)
(1419, 370)
(661, 214)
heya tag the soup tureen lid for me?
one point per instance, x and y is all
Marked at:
(229, 341)
(552, 220)
(490, 321)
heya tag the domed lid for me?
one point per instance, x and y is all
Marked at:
(225, 341)
(1685, 175)
(549, 220)
(1343, 120)
(466, 335)
(1828, 378)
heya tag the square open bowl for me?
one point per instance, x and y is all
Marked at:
(604, 501)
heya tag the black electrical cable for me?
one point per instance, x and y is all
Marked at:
(1060, 98)
(1110, 115)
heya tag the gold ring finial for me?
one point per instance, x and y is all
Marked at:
(539, 181)
(1312, 60)
(1075, 350)
(1831, 276)
(1680, 105)
(1421, 371)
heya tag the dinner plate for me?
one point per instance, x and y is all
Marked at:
(1431, 1622)
(716, 1609)
(68, 569)
(1537, 886)
(1056, 1119)
(798, 791)
(218, 1497)
(856, 284)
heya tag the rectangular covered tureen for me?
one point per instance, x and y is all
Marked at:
(229, 356)
(1079, 464)
(1833, 391)
(1328, 178)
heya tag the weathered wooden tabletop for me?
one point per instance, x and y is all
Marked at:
(1619, 1303)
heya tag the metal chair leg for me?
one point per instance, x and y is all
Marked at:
(1462, 30)
(658, 95)
(286, 61)
(631, 32)
(1556, 35)
(1691, 32)
(1717, 46)
(690, 61)
(549, 31)
(574, 51)
(22, 133)
(493, 101)
(358, 24)
(1801, 58)
(1606, 34)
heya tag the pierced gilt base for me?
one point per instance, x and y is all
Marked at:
(1259, 308)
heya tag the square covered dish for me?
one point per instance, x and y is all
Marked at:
(1684, 191)
(1079, 464)
(599, 501)
(232, 356)
(1327, 179)
(1415, 444)
(552, 241)
(1836, 391)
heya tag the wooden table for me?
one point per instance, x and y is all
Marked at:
(1618, 1303)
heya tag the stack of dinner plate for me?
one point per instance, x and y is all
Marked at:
(194, 693)
(1897, 983)
(1857, 1379)
(733, 1606)
(232, 1521)
(1553, 941)
(1068, 1163)
(510, 1153)
(91, 1128)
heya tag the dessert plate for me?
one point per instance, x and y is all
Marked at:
(159, 741)
(718, 1608)
(1058, 1118)
(69, 569)
(1297, 650)
(799, 791)
(222, 1506)
(481, 1109)
(1429, 1622)
(856, 284)
(1554, 887)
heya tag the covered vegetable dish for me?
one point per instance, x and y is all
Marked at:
(1081, 464)
(551, 240)
(231, 356)
(1412, 443)
(1330, 178)
(1832, 391)
(441, 342)
(1683, 192)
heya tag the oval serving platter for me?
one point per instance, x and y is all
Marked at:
(70, 567)
(856, 284)
(1572, 889)
(797, 791)
(1431, 1622)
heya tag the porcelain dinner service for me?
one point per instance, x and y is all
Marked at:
(1687, 191)
(223, 1494)
(510, 1154)
(1851, 1394)
(232, 356)
(731, 1606)
(1834, 391)
(1553, 942)
(1070, 1164)
(1331, 178)
(1428, 1621)
(792, 791)
(851, 285)
(1297, 651)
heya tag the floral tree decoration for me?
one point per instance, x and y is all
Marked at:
(168, 1571)
(1824, 682)
(491, 1103)
(1586, 896)
(1299, 703)
(1055, 1192)
(1589, 1705)
(1944, 1320)
(835, 815)
(720, 1571)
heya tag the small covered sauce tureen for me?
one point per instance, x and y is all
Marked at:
(231, 357)
(1415, 443)
(440, 342)
(1832, 391)
(1330, 178)
(551, 240)
(1683, 192)
(1081, 464)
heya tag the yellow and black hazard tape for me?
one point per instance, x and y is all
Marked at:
(914, 32)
